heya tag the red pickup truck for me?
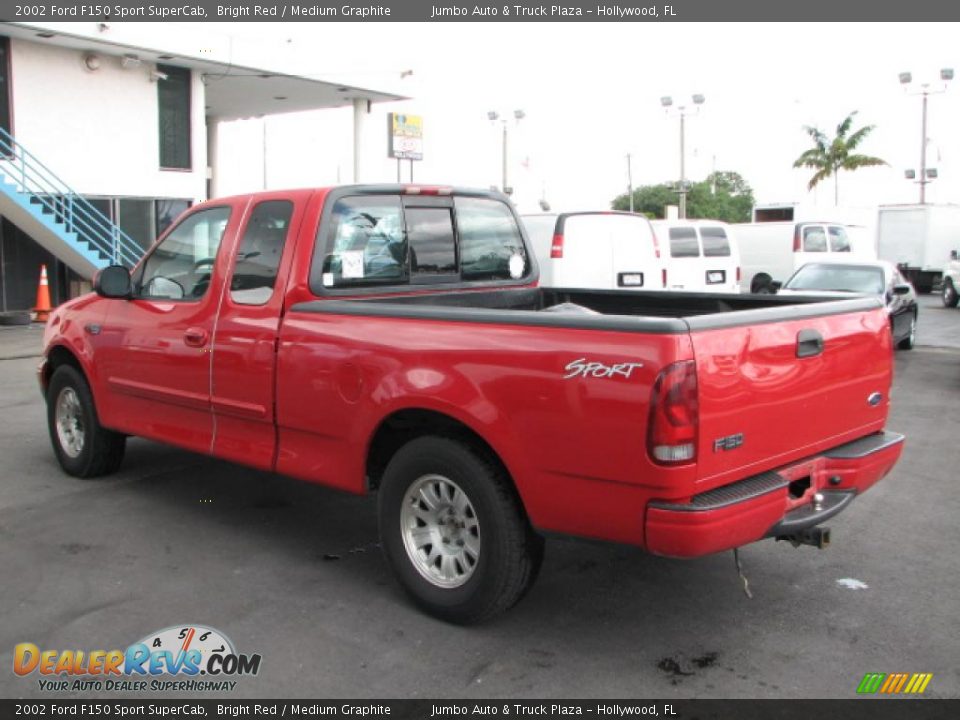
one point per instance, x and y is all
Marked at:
(393, 339)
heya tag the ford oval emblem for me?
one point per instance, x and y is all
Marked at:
(875, 399)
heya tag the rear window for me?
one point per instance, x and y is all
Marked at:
(838, 278)
(715, 242)
(814, 239)
(377, 240)
(491, 247)
(839, 242)
(683, 242)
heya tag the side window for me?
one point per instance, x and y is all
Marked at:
(180, 267)
(715, 242)
(432, 249)
(491, 247)
(839, 242)
(683, 242)
(368, 244)
(258, 258)
(814, 239)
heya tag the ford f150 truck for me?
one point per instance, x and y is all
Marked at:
(394, 339)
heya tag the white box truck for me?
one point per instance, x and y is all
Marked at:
(918, 239)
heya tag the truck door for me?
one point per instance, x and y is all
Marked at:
(154, 349)
(244, 356)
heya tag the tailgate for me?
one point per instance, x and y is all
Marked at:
(772, 392)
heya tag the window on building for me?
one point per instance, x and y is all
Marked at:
(260, 251)
(167, 211)
(5, 119)
(173, 99)
(135, 218)
(180, 267)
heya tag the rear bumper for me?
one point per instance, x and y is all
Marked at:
(779, 502)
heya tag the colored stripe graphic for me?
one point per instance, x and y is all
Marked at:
(894, 683)
(871, 683)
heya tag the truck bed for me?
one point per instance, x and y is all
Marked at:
(671, 312)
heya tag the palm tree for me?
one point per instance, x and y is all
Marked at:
(828, 157)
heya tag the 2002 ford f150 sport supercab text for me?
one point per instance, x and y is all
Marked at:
(394, 339)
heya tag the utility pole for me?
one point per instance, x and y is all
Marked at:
(630, 181)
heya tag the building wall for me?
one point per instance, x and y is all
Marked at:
(98, 130)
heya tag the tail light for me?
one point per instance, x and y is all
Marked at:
(663, 277)
(738, 273)
(422, 190)
(796, 239)
(656, 245)
(674, 415)
(556, 249)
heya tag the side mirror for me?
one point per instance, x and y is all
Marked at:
(953, 255)
(775, 286)
(902, 289)
(112, 281)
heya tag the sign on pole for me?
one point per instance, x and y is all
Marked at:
(404, 136)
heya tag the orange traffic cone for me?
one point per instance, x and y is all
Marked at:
(43, 308)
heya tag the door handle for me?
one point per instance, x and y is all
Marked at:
(809, 343)
(195, 337)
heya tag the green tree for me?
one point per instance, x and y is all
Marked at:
(829, 156)
(722, 196)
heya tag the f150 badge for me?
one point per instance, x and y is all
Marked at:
(582, 368)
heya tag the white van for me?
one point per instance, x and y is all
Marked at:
(699, 255)
(595, 250)
(773, 251)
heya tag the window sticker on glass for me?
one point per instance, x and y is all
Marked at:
(351, 264)
(517, 266)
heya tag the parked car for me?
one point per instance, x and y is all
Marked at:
(773, 251)
(393, 339)
(950, 289)
(879, 278)
(595, 250)
(699, 255)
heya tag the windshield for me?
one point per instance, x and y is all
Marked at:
(841, 278)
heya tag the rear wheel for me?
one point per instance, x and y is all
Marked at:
(454, 531)
(910, 340)
(83, 447)
(949, 294)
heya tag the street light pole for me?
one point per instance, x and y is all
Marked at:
(683, 111)
(493, 116)
(683, 167)
(927, 175)
(923, 152)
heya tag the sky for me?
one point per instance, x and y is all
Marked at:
(591, 95)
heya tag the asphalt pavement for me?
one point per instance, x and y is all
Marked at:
(293, 572)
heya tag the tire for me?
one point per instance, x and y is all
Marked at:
(760, 285)
(84, 448)
(910, 340)
(439, 490)
(949, 294)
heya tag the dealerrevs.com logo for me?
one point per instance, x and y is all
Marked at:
(179, 658)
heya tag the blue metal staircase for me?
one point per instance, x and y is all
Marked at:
(34, 199)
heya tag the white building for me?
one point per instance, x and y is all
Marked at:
(121, 120)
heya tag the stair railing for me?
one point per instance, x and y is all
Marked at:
(34, 179)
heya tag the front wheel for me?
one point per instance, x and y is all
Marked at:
(949, 294)
(910, 340)
(454, 532)
(84, 448)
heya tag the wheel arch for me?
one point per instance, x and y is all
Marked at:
(406, 424)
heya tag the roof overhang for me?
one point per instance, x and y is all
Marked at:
(233, 91)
